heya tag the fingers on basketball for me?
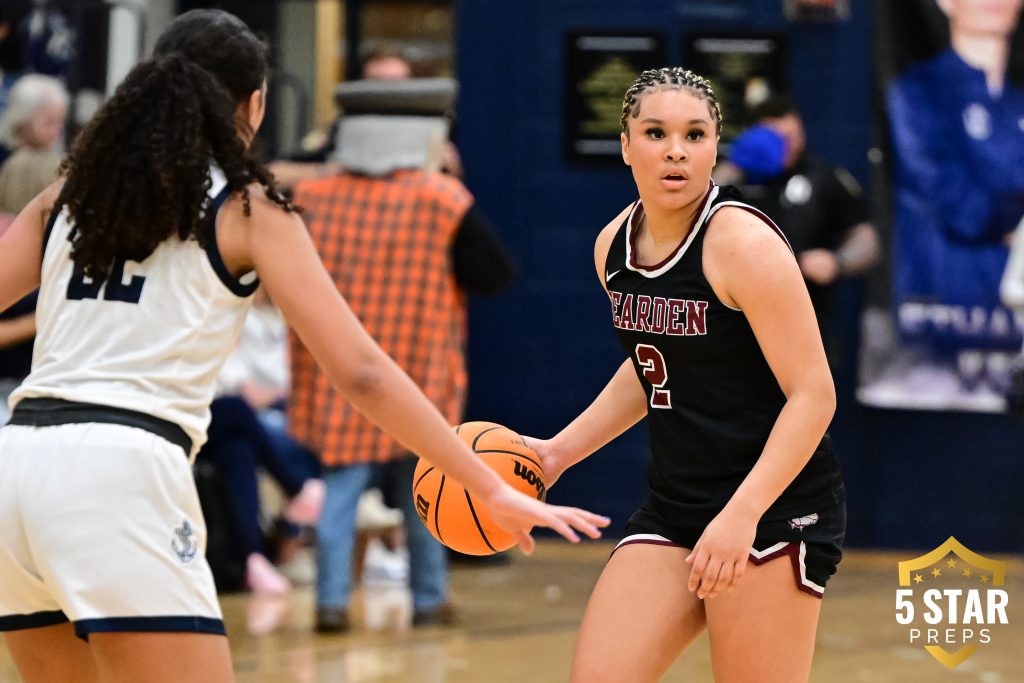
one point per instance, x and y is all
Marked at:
(451, 513)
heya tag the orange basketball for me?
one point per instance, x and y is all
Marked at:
(450, 512)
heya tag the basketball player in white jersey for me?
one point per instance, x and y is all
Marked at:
(145, 255)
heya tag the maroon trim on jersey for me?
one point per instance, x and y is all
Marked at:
(793, 550)
(631, 235)
(784, 550)
(809, 590)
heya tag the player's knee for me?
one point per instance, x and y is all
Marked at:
(599, 671)
(608, 665)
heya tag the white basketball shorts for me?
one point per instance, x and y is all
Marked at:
(100, 525)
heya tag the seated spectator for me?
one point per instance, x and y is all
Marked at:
(34, 118)
(258, 372)
(247, 433)
(238, 445)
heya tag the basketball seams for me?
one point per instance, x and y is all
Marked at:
(479, 436)
(476, 533)
(437, 508)
(417, 484)
(516, 454)
(476, 520)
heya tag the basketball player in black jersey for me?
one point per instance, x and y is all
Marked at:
(726, 362)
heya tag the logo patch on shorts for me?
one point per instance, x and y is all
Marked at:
(188, 547)
(801, 522)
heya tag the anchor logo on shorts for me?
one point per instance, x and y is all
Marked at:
(188, 549)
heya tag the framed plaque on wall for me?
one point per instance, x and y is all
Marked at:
(599, 67)
(743, 70)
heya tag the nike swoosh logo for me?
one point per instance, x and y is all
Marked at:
(608, 276)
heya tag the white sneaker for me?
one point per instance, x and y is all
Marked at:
(373, 515)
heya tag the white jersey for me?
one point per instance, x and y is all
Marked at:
(151, 338)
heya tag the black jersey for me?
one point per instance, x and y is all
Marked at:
(712, 398)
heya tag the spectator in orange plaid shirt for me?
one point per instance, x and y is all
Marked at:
(403, 244)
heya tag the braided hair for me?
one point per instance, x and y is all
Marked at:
(676, 78)
(138, 173)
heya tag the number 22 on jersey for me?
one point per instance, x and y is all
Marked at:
(655, 372)
(81, 287)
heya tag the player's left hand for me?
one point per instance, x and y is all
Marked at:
(820, 266)
(719, 557)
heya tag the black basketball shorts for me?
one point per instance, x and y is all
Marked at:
(813, 542)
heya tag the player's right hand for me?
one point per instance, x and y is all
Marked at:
(719, 557)
(518, 513)
(549, 462)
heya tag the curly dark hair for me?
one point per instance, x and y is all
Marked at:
(671, 77)
(139, 173)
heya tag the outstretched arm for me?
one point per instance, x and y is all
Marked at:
(277, 245)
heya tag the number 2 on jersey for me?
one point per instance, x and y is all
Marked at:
(653, 363)
(80, 287)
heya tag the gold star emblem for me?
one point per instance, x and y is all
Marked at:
(951, 563)
(936, 572)
(968, 572)
(918, 578)
(984, 579)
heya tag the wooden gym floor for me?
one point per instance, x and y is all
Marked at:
(518, 623)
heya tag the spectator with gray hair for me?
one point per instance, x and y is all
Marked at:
(34, 116)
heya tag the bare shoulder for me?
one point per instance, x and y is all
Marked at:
(741, 234)
(605, 238)
(48, 197)
(742, 250)
(263, 211)
(240, 235)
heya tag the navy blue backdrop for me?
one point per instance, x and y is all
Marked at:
(540, 353)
